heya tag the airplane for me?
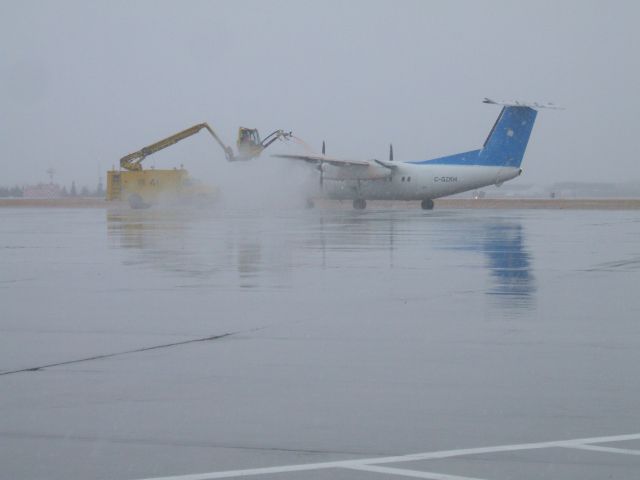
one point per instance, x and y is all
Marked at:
(496, 162)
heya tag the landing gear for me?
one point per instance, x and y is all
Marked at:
(359, 204)
(427, 204)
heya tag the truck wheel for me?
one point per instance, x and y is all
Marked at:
(136, 202)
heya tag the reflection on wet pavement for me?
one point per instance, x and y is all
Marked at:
(237, 339)
(262, 250)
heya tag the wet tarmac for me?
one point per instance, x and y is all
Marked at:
(144, 344)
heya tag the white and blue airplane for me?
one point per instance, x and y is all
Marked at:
(497, 161)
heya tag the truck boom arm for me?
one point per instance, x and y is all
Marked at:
(273, 136)
(134, 160)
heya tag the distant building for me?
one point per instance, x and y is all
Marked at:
(42, 190)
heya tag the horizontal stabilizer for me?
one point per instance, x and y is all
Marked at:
(516, 103)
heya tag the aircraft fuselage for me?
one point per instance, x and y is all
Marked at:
(415, 182)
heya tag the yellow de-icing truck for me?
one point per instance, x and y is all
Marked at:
(143, 188)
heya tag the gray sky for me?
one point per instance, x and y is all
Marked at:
(84, 83)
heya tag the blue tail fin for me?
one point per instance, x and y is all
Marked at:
(505, 144)
(508, 138)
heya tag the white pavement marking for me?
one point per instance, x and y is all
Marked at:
(577, 442)
(409, 473)
(598, 448)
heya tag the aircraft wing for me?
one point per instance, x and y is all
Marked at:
(318, 159)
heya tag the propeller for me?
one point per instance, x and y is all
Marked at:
(391, 152)
(321, 168)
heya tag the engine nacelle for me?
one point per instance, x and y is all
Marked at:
(355, 172)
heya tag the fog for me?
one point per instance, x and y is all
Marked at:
(84, 83)
(254, 333)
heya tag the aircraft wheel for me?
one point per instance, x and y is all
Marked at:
(427, 204)
(136, 201)
(359, 204)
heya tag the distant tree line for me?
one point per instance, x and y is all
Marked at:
(83, 191)
(10, 192)
(72, 191)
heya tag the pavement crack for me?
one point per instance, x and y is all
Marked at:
(176, 443)
(126, 352)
